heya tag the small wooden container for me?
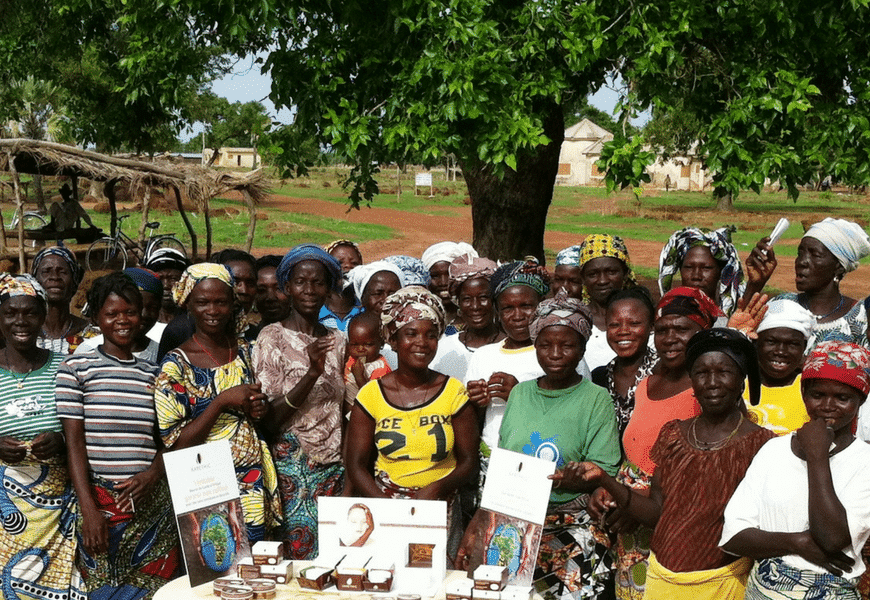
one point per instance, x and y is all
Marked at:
(420, 555)
(490, 577)
(516, 592)
(378, 580)
(247, 569)
(264, 589)
(237, 592)
(267, 553)
(280, 573)
(220, 583)
(315, 578)
(348, 579)
(459, 590)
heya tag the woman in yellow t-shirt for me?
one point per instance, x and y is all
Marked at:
(781, 344)
(416, 423)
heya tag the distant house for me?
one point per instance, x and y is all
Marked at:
(686, 173)
(580, 150)
(233, 157)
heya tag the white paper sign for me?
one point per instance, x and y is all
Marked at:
(201, 476)
(517, 485)
(423, 179)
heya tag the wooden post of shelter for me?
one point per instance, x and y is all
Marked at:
(193, 249)
(22, 257)
(206, 209)
(113, 209)
(146, 206)
(252, 219)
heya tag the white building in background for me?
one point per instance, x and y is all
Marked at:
(580, 150)
(232, 157)
(685, 173)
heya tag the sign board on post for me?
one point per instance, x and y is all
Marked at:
(422, 180)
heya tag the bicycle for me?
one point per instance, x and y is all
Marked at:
(110, 252)
(33, 221)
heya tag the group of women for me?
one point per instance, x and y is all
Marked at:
(662, 417)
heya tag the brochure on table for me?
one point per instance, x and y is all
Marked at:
(205, 498)
(408, 535)
(513, 507)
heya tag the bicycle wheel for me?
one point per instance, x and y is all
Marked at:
(106, 255)
(165, 241)
(32, 222)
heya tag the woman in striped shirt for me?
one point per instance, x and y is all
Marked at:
(128, 543)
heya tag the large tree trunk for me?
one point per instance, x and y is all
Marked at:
(509, 214)
(724, 201)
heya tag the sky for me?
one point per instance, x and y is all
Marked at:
(246, 83)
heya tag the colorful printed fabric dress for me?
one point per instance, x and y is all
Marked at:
(182, 392)
(37, 543)
(308, 450)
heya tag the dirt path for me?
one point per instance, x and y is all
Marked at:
(416, 232)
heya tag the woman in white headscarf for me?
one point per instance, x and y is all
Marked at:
(437, 259)
(828, 250)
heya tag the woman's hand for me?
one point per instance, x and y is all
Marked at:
(478, 393)
(748, 316)
(429, 492)
(12, 451)
(577, 477)
(48, 445)
(600, 504)
(500, 385)
(95, 532)
(240, 397)
(135, 489)
(805, 547)
(760, 264)
(815, 438)
(317, 352)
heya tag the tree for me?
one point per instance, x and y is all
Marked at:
(229, 123)
(380, 81)
(778, 89)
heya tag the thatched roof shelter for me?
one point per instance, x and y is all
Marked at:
(197, 183)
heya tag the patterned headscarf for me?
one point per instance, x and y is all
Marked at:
(145, 280)
(446, 251)
(416, 273)
(604, 245)
(335, 244)
(788, 314)
(20, 285)
(304, 252)
(361, 275)
(200, 272)
(528, 273)
(691, 303)
(68, 257)
(409, 304)
(467, 267)
(568, 257)
(562, 310)
(846, 240)
(733, 344)
(719, 242)
(839, 361)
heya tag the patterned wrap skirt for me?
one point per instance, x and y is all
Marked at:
(301, 482)
(773, 579)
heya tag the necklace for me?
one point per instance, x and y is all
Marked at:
(61, 336)
(214, 360)
(712, 445)
(21, 381)
(803, 302)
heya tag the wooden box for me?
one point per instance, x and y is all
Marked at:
(490, 577)
(459, 589)
(246, 569)
(477, 594)
(348, 579)
(420, 555)
(280, 573)
(315, 578)
(379, 578)
(516, 592)
(267, 553)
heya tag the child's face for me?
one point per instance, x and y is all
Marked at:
(364, 342)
